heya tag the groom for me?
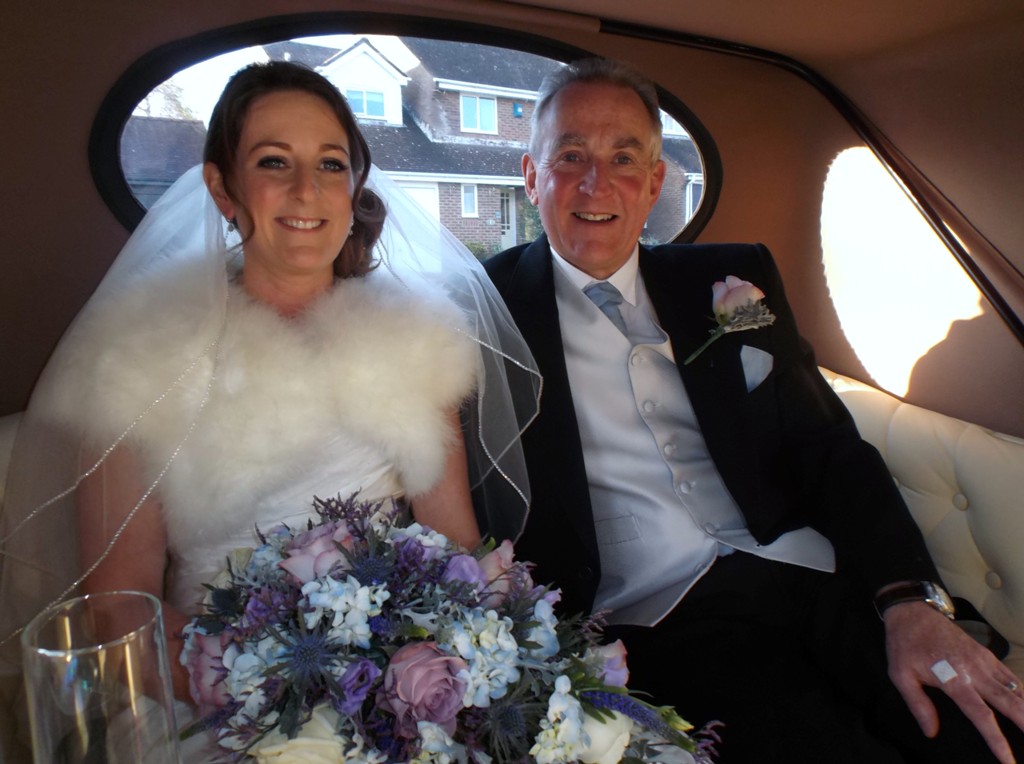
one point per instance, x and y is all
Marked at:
(725, 511)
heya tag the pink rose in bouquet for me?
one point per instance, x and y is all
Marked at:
(314, 552)
(496, 565)
(615, 673)
(422, 684)
(204, 658)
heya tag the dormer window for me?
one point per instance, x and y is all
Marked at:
(366, 103)
(670, 125)
(479, 114)
(369, 77)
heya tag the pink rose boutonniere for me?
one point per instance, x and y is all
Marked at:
(737, 307)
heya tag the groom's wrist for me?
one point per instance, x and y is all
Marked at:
(928, 592)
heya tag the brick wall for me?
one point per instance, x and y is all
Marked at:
(483, 230)
(510, 128)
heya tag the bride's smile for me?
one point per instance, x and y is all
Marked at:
(291, 190)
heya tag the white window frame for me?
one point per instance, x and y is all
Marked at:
(476, 100)
(363, 114)
(466, 211)
(692, 179)
(671, 126)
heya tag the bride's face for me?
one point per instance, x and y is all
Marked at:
(293, 187)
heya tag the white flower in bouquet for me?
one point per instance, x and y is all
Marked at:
(544, 634)
(317, 742)
(561, 732)
(347, 605)
(438, 747)
(607, 738)
(486, 643)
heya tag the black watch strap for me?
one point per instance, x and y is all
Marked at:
(916, 591)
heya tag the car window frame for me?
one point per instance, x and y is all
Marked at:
(163, 62)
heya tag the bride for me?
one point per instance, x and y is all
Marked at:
(281, 327)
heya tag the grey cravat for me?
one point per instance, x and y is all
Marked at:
(606, 297)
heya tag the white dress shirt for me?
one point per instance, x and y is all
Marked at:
(661, 511)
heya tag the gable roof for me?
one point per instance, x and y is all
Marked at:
(365, 46)
(483, 64)
(408, 149)
(683, 152)
(180, 142)
(299, 52)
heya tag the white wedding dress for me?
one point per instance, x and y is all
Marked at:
(350, 397)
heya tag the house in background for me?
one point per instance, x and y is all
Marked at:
(447, 121)
(156, 151)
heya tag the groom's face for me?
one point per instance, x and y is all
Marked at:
(596, 176)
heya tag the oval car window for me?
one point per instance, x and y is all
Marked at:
(448, 121)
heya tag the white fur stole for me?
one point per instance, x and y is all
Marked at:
(371, 362)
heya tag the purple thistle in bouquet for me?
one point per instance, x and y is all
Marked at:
(358, 639)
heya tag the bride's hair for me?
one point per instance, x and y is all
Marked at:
(225, 132)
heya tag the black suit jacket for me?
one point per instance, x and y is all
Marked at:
(788, 451)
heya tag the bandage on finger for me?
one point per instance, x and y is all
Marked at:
(943, 671)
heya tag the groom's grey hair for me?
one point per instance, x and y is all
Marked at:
(598, 70)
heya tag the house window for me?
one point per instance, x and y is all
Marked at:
(469, 208)
(694, 192)
(670, 125)
(366, 103)
(479, 115)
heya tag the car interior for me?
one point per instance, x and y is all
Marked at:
(874, 147)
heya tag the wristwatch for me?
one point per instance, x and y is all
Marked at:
(916, 591)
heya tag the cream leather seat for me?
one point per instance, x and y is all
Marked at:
(965, 487)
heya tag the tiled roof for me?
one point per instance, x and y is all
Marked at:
(299, 52)
(408, 149)
(159, 148)
(483, 64)
(682, 152)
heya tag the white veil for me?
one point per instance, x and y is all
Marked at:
(39, 556)
(414, 246)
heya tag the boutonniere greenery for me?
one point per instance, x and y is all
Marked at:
(737, 307)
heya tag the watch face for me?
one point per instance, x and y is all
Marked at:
(938, 598)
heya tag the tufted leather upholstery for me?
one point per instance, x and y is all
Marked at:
(965, 488)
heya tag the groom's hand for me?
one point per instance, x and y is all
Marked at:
(926, 649)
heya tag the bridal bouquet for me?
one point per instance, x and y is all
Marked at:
(356, 639)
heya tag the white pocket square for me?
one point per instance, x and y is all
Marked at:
(757, 364)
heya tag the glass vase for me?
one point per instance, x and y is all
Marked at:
(98, 682)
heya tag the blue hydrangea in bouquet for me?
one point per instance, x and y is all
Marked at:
(359, 639)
